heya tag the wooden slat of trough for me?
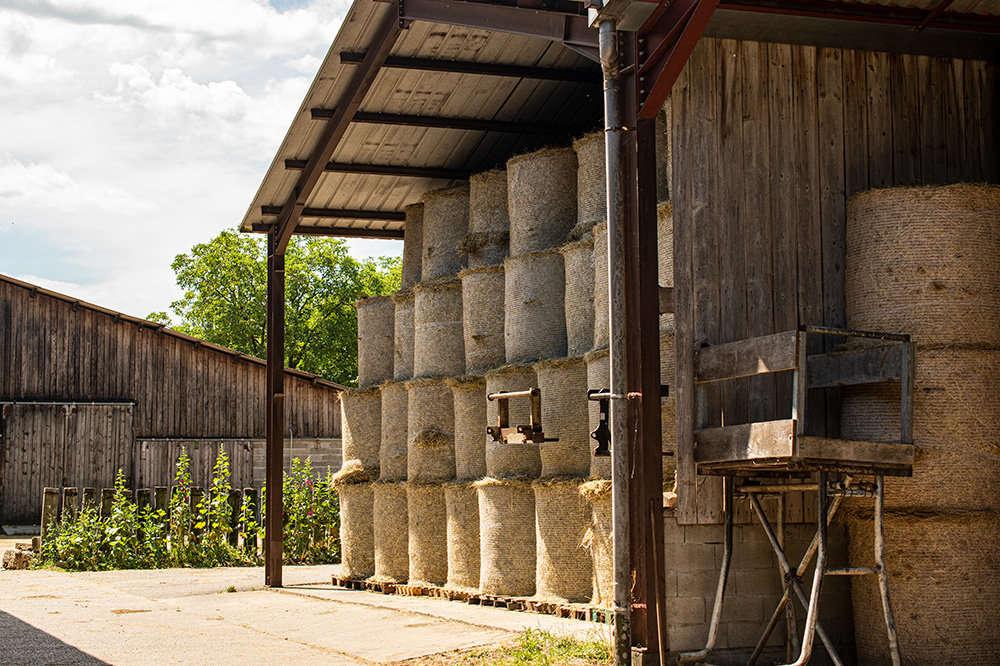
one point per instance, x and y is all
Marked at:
(744, 358)
(747, 441)
(875, 453)
(855, 366)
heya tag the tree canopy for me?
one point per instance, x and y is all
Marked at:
(225, 299)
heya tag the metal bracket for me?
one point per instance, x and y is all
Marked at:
(521, 434)
(603, 433)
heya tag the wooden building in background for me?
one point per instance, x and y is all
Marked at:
(85, 391)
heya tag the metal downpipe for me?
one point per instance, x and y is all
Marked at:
(615, 176)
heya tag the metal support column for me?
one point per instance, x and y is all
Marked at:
(274, 404)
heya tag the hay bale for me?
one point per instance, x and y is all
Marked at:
(402, 356)
(392, 558)
(489, 222)
(956, 428)
(541, 195)
(483, 317)
(578, 261)
(505, 460)
(470, 426)
(361, 425)
(598, 377)
(562, 519)
(925, 261)
(535, 306)
(668, 405)
(392, 451)
(357, 549)
(506, 537)
(446, 221)
(598, 542)
(664, 169)
(430, 450)
(565, 415)
(413, 246)
(462, 504)
(602, 335)
(376, 330)
(428, 542)
(438, 342)
(944, 581)
(591, 179)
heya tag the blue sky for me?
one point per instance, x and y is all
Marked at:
(131, 130)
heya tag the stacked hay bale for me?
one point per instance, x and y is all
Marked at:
(402, 357)
(486, 244)
(445, 224)
(376, 331)
(668, 359)
(461, 497)
(413, 247)
(597, 540)
(438, 337)
(922, 261)
(483, 317)
(389, 492)
(361, 418)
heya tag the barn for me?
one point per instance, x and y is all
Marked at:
(85, 391)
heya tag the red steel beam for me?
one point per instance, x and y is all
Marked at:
(275, 406)
(934, 13)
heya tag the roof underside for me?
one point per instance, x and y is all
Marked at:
(451, 101)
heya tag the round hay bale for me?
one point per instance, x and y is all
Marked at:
(506, 460)
(925, 261)
(376, 329)
(392, 555)
(598, 542)
(578, 261)
(357, 549)
(602, 335)
(361, 426)
(430, 450)
(562, 520)
(944, 584)
(489, 222)
(470, 426)
(392, 452)
(428, 543)
(665, 243)
(565, 415)
(413, 246)
(462, 502)
(446, 221)
(541, 196)
(591, 179)
(535, 307)
(506, 537)
(483, 316)
(402, 356)
(956, 428)
(438, 342)
(663, 164)
(599, 378)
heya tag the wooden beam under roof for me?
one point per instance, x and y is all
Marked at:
(385, 170)
(592, 76)
(340, 213)
(337, 232)
(439, 122)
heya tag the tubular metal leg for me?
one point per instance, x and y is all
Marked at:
(727, 556)
(813, 613)
(883, 576)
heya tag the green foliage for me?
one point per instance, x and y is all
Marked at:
(312, 517)
(536, 647)
(225, 299)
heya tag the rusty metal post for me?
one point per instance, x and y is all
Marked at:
(275, 407)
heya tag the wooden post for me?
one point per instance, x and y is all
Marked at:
(89, 498)
(50, 509)
(107, 497)
(235, 497)
(71, 503)
(142, 498)
(161, 499)
(274, 403)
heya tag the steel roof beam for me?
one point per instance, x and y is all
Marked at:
(340, 213)
(492, 69)
(385, 170)
(437, 122)
(338, 232)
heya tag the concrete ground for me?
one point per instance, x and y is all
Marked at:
(222, 617)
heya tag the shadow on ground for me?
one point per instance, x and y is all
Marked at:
(24, 644)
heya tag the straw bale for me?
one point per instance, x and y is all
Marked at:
(392, 555)
(402, 357)
(582, 231)
(506, 537)
(361, 419)
(352, 472)
(926, 261)
(602, 335)
(535, 307)
(541, 195)
(357, 549)
(598, 377)
(470, 426)
(513, 460)
(944, 581)
(489, 220)
(565, 415)
(578, 260)
(956, 428)
(430, 451)
(413, 246)
(562, 519)
(376, 329)
(438, 342)
(668, 430)
(483, 317)
(392, 452)
(663, 165)
(591, 178)
(446, 221)
(665, 243)
(428, 543)
(462, 502)
(597, 541)
(505, 460)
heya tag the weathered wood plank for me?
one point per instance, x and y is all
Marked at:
(856, 366)
(905, 124)
(880, 151)
(875, 453)
(747, 441)
(855, 122)
(766, 354)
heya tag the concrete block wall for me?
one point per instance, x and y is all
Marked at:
(693, 555)
(322, 454)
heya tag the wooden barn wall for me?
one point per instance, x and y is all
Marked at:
(769, 142)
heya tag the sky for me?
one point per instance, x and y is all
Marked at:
(131, 130)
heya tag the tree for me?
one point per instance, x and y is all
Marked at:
(225, 299)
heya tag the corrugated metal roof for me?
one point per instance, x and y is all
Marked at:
(982, 7)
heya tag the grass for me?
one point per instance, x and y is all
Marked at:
(535, 647)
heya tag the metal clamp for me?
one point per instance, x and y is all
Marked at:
(603, 433)
(522, 434)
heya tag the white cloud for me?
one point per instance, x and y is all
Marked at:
(28, 189)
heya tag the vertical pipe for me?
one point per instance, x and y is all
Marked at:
(615, 165)
(274, 403)
(883, 575)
